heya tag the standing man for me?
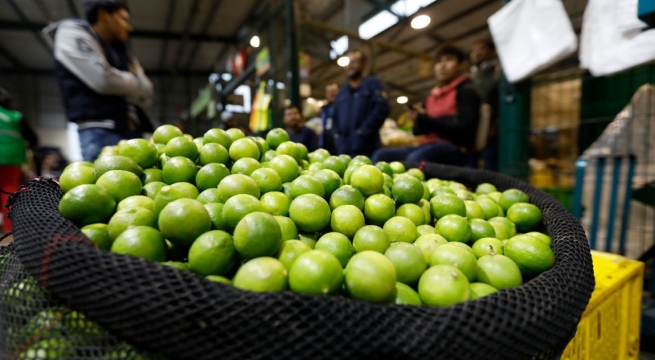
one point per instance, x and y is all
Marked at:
(326, 140)
(103, 87)
(360, 109)
(485, 73)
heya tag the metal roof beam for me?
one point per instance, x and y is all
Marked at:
(11, 57)
(185, 33)
(23, 17)
(205, 27)
(73, 8)
(169, 25)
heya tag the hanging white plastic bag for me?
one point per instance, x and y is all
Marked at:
(531, 35)
(611, 39)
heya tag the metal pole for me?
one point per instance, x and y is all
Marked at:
(514, 127)
(292, 54)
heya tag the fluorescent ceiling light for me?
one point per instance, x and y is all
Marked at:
(402, 100)
(339, 47)
(385, 19)
(254, 42)
(343, 61)
(420, 21)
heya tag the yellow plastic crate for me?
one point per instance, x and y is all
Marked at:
(611, 324)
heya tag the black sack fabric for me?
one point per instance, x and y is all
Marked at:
(176, 314)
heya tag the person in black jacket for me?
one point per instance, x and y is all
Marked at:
(448, 119)
(298, 132)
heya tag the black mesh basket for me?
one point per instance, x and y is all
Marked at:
(148, 310)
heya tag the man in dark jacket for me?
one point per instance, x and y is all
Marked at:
(298, 132)
(360, 109)
(449, 119)
(102, 86)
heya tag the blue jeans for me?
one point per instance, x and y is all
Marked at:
(439, 152)
(92, 140)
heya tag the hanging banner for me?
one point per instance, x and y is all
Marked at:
(303, 65)
(263, 63)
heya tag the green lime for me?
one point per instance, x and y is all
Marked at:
(177, 265)
(183, 220)
(213, 153)
(531, 255)
(543, 237)
(447, 204)
(290, 250)
(441, 190)
(257, 234)
(275, 203)
(245, 166)
(417, 174)
(75, 176)
(405, 295)
(502, 221)
(287, 227)
(335, 164)
(261, 142)
(120, 184)
(235, 134)
(181, 146)
(210, 175)
(286, 167)
(219, 279)
(425, 230)
(351, 169)
(413, 212)
(268, 156)
(237, 207)
(317, 273)
(292, 149)
(462, 245)
(318, 156)
(165, 133)
(489, 208)
(76, 164)
(378, 209)
(384, 167)
(87, 204)
(397, 167)
(217, 136)
(212, 253)
(141, 151)
(208, 196)
(52, 348)
(464, 194)
(141, 241)
(306, 184)
(215, 211)
(330, 181)
(487, 245)
(473, 210)
(485, 188)
(310, 212)
(308, 239)
(427, 210)
(347, 195)
(400, 229)
(407, 190)
(501, 231)
(179, 169)
(498, 271)
(168, 194)
(495, 196)
(152, 175)
(481, 229)
(409, 262)
(263, 274)
(371, 276)
(368, 179)
(189, 190)
(275, 137)
(243, 148)
(479, 290)
(124, 219)
(237, 184)
(511, 197)
(115, 162)
(99, 234)
(454, 228)
(371, 238)
(267, 179)
(428, 243)
(364, 159)
(451, 254)
(347, 220)
(152, 189)
(443, 285)
(525, 216)
(338, 245)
